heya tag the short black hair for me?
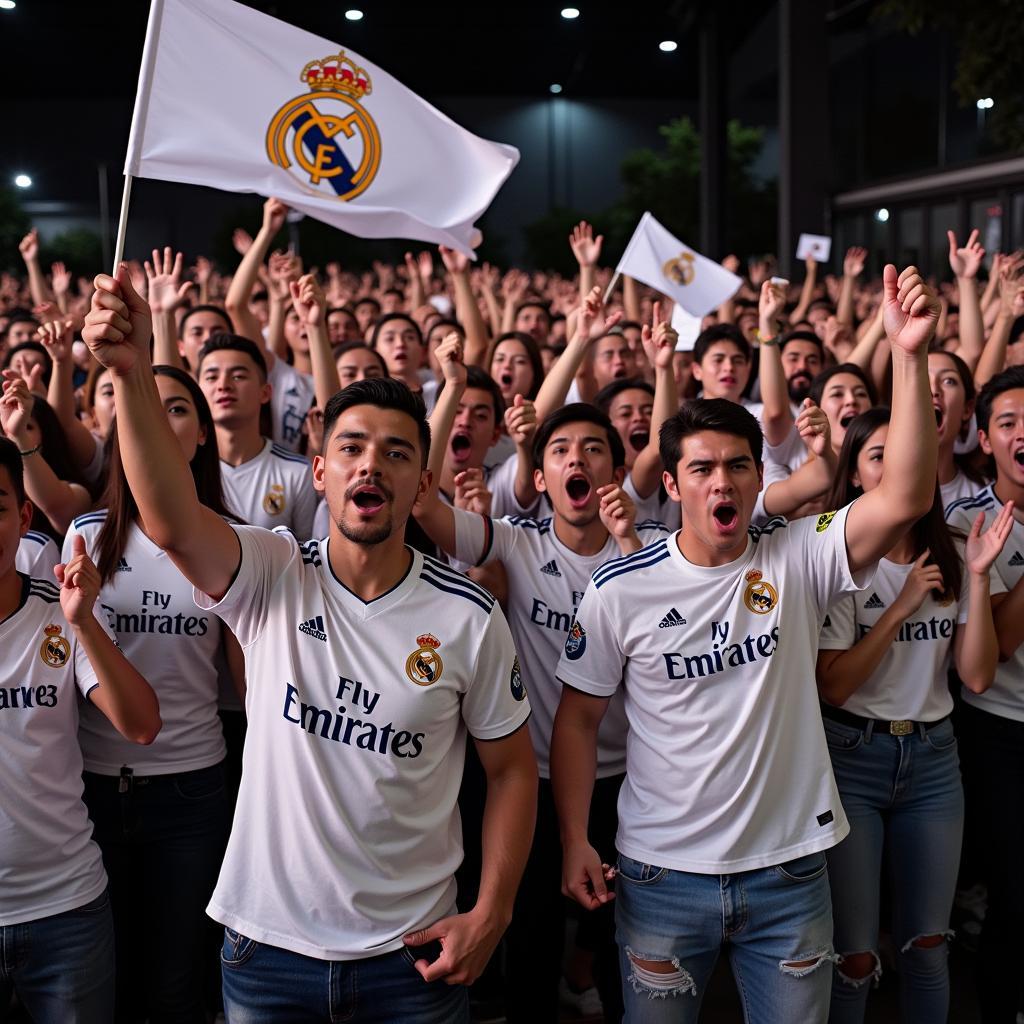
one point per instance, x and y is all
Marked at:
(348, 346)
(339, 309)
(717, 414)
(817, 388)
(364, 300)
(31, 346)
(720, 332)
(384, 393)
(808, 336)
(483, 381)
(577, 412)
(206, 308)
(233, 343)
(10, 459)
(388, 318)
(1008, 380)
(604, 398)
(533, 302)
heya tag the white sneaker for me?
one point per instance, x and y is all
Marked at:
(586, 1003)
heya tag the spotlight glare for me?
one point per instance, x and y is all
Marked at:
(570, 12)
(555, 88)
(882, 215)
(7, 5)
(668, 45)
(23, 181)
(354, 14)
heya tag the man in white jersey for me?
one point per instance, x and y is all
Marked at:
(578, 461)
(729, 798)
(56, 930)
(37, 555)
(264, 484)
(366, 666)
(991, 724)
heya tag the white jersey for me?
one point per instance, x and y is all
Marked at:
(48, 861)
(791, 454)
(727, 768)
(502, 449)
(652, 508)
(149, 607)
(910, 680)
(347, 831)
(1006, 694)
(545, 583)
(960, 487)
(37, 555)
(97, 463)
(291, 398)
(273, 489)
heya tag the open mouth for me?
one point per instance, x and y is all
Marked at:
(1019, 457)
(939, 417)
(619, 374)
(726, 515)
(506, 380)
(461, 444)
(847, 419)
(638, 440)
(368, 500)
(577, 489)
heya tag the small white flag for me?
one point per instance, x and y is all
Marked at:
(236, 100)
(660, 260)
(687, 327)
(818, 246)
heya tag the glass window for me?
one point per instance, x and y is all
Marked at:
(911, 237)
(987, 217)
(942, 218)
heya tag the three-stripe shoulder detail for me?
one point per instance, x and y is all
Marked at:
(284, 453)
(542, 526)
(642, 559)
(44, 591)
(769, 526)
(982, 501)
(446, 579)
(37, 537)
(90, 517)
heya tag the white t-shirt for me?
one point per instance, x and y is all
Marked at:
(97, 463)
(36, 556)
(545, 583)
(668, 512)
(910, 681)
(791, 454)
(292, 396)
(48, 861)
(960, 487)
(502, 449)
(149, 607)
(347, 831)
(1005, 696)
(273, 489)
(727, 768)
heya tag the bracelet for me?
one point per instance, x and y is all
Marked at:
(30, 451)
(768, 342)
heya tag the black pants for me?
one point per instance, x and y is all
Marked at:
(992, 754)
(535, 939)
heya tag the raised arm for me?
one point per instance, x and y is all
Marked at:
(283, 269)
(521, 425)
(587, 250)
(907, 488)
(815, 476)
(777, 416)
(309, 302)
(416, 296)
(199, 542)
(467, 312)
(853, 267)
(806, 291)
(993, 356)
(660, 345)
(630, 299)
(29, 249)
(165, 293)
(964, 264)
(56, 337)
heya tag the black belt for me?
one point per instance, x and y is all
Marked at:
(898, 727)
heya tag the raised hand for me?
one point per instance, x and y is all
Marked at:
(853, 261)
(838, 338)
(283, 268)
(812, 426)
(617, 511)
(455, 262)
(274, 213)
(425, 261)
(166, 290)
(585, 247)
(60, 278)
(964, 262)
(658, 340)
(16, 406)
(732, 263)
(770, 304)
(315, 431)
(308, 299)
(29, 246)
(471, 493)
(118, 325)
(521, 421)
(449, 357)
(56, 337)
(590, 323)
(982, 549)
(923, 579)
(241, 240)
(79, 581)
(911, 309)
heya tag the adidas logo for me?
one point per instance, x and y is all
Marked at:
(314, 627)
(874, 601)
(1018, 559)
(123, 566)
(673, 618)
(552, 570)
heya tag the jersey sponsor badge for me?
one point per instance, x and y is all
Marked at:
(576, 641)
(516, 681)
(273, 500)
(424, 666)
(824, 521)
(55, 650)
(759, 596)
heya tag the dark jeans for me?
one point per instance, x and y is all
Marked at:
(163, 840)
(62, 967)
(536, 937)
(992, 752)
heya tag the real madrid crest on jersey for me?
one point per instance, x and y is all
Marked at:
(325, 139)
(424, 666)
(55, 650)
(680, 269)
(759, 595)
(273, 500)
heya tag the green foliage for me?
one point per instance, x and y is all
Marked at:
(14, 225)
(990, 55)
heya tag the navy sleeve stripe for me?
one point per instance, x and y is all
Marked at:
(283, 453)
(453, 590)
(633, 567)
(456, 579)
(89, 517)
(39, 538)
(643, 553)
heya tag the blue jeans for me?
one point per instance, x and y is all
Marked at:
(62, 967)
(162, 840)
(267, 985)
(901, 794)
(776, 921)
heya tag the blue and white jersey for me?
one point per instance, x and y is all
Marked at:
(347, 833)
(291, 397)
(37, 555)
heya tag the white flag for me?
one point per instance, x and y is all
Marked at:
(234, 99)
(687, 328)
(660, 260)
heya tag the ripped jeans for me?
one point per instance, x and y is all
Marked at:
(776, 923)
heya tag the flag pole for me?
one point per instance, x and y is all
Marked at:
(122, 223)
(611, 285)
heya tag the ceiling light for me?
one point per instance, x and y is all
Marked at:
(22, 181)
(570, 12)
(668, 45)
(353, 14)
(882, 215)
(7, 5)
(986, 103)
(555, 88)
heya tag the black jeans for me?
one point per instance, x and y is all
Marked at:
(992, 752)
(162, 840)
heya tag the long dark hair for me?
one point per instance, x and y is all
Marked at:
(532, 353)
(930, 531)
(53, 446)
(118, 500)
(968, 463)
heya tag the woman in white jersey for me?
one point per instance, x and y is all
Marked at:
(953, 395)
(160, 813)
(882, 674)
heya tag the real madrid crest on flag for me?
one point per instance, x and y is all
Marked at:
(325, 138)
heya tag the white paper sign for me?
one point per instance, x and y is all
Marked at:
(818, 246)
